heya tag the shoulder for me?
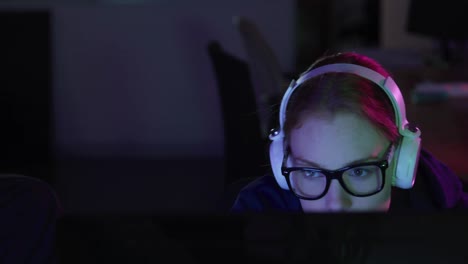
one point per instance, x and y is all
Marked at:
(264, 195)
(444, 185)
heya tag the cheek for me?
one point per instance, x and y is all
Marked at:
(379, 202)
(314, 206)
(390, 173)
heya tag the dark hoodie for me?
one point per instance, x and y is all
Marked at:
(436, 188)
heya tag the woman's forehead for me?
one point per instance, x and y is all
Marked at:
(336, 140)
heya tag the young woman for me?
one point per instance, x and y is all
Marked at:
(344, 144)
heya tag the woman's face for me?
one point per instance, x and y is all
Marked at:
(333, 142)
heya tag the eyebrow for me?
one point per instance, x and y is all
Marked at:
(387, 152)
(316, 165)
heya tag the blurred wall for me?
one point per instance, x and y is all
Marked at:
(136, 80)
(393, 33)
(136, 114)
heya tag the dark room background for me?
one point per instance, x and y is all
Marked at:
(117, 105)
(121, 107)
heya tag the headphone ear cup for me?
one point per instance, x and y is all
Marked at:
(406, 162)
(276, 159)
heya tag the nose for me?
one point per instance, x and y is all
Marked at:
(337, 199)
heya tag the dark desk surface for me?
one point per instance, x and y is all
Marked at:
(444, 125)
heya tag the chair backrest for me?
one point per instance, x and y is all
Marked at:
(245, 149)
(29, 211)
(267, 75)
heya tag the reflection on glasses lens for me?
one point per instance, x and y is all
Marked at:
(360, 180)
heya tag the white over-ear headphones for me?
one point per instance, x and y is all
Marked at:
(406, 153)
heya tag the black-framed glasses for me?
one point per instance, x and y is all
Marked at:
(361, 180)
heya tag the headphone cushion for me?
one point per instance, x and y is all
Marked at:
(407, 157)
(276, 159)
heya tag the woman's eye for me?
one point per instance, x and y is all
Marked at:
(358, 172)
(312, 174)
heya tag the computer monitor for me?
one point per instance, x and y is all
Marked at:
(266, 238)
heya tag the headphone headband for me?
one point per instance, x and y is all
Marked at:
(386, 83)
(407, 152)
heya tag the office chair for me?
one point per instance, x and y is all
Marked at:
(269, 81)
(245, 148)
(29, 210)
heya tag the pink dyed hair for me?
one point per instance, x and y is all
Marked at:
(341, 92)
